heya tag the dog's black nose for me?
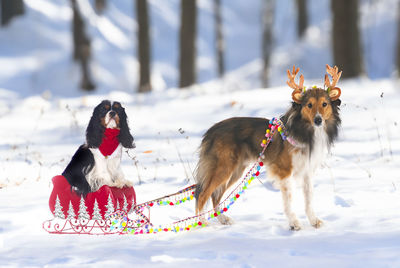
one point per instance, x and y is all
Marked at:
(317, 120)
(112, 114)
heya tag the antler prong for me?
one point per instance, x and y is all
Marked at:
(333, 91)
(334, 73)
(297, 88)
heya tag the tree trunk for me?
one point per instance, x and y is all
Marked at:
(10, 9)
(346, 37)
(187, 57)
(77, 30)
(267, 38)
(302, 17)
(86, 82)
(143, 46)
(81, 47)
(398, 42)
(100, 6)
(219, 38)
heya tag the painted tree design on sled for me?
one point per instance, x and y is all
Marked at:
(92, 225)
(114, 220)
(89, 215)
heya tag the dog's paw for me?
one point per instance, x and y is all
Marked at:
(122, 183)
(295, 226)
(203, 220)
(225, 220)
(128, 184)
(317, 223)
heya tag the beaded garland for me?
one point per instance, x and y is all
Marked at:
(276, 124)
(120, 220)
(182, 196)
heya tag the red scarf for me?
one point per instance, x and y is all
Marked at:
(110, 141)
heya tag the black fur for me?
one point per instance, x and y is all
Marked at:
(333, 129)
(298, 128)
(95, 129)
(81, 164)
(124, 137)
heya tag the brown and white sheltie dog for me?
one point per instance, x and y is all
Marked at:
(231, 145)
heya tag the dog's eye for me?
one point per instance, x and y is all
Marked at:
(324, 104)
(309, 105)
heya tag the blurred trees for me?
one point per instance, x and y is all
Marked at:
(187, 43)
(10, 9)
(346, 37)
(219, 38)
(100, 5)
(398, 42)
(346, 43)
(267, 38)
(143, 46)
(302, 17)
(81, 47)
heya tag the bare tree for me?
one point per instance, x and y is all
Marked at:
(219, 38)
(82, 49)
(143, 46)
(187, 37)
(346, 37)
(267, 38)
(302, 17)
(10, 9)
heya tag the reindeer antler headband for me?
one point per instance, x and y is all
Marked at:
(333, 91)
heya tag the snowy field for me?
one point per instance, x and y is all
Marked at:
(43, 118)
(357, 193)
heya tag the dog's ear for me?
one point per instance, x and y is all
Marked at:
(124, 137)
(295, 105)
(337, 102)
(95, 130)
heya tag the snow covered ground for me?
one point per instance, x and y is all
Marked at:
(357, 194)
(43, 119)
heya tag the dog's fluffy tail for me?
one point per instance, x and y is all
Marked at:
(203, 172)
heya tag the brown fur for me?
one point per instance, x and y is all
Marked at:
(116, 118)
(226, 150)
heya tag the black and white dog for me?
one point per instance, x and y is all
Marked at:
(97, 162)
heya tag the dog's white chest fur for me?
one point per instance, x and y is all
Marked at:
(305, 162)
(106, 170)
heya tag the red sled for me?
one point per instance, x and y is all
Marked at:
(122, 198)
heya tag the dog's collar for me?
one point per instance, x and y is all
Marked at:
(277, 124)
(285, 136)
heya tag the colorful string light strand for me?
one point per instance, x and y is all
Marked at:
(120, 219)
(181, 197)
